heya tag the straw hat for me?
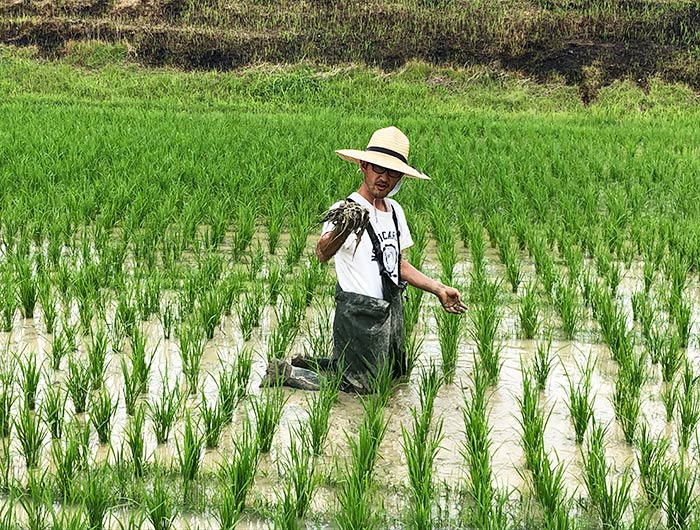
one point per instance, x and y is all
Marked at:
(387, 148)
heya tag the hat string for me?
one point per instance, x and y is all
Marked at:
(389, 152)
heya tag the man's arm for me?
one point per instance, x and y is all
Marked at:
(449, 297)
(330, 243)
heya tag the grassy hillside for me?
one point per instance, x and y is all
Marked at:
(588, 43)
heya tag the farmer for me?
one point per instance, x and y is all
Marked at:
(371, 273)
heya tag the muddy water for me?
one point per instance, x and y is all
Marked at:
(508, 459)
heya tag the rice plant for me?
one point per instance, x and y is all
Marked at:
(53, 409)
(486, 318)
(236, 474)
(299, 471)
(102, 411)
(245, 228)
(356, 509)
(566, 302)
(449, 328)
(319, 407)
(210, 311)
(543, 361)
(97, 355)
(31, 434)
(627, 402)
(653, 469)
(250, 311)
(275, 282)
(672, 357)
(420, 447)
(68, 460)
(532, 421)
(192, 343)
(78, 383)
(140, 360)
(165, 410)
(48, 306)
(669, 397)
(160, 507)
(681, 502)
(688, 406)
(132, 387)
(267, 409)
(36, 502)
(31, 373)
(96, 496)
(27, 290)
(214, 421)
(233, 383)
(529, 312)
(610, 497)
(133, 436)
(189, 454)
(580, 401)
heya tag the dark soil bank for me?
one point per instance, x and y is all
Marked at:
(588, 43)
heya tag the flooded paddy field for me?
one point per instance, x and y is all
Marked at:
(29, 348)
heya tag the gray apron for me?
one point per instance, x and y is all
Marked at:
(368, 331)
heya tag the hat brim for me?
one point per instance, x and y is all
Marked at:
(381, 159)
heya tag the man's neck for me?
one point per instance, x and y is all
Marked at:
(379, 204)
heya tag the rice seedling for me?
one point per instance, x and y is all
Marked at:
(36, 502)
(48, 306)
(312, 275)
(31, 434)
(163, 412)
(627, 404)
(275, 281)
(669, 397)
(250, 311)
(78, 383)
(299, 470)
(97, 355)
(355, 507)
(573, 257)
(529, 312)
(125, 316)
(8, 302)
(275, 220)
(449, 329)
(532, 421)
(140, 361)
(446, 251)
(611, 498)
(210, 310)
(285, 517)
(96, 495)
(102, 411)
(543, 361)
(53, 409)
(214, 421)
(64, 520)
(245, 228)
(189, 454)
(298, 232)
(486, 319)
(653, 470)
(192, 343)
(319, 408)
(133, 435)
(681, 501)
(420, 447)
(672, 357)
(159, 505)
(566, 302)
(548, 483)
(27, 290)
(59, 349)
(236, 475)
(580, 400)
(267, 409)
(68, 461)
(318, 333)
(167, 319)
(7, 399)
(131, 388)
(31, 374)
(688, 406)
(657, 342)
(477, 247)
(681, 314)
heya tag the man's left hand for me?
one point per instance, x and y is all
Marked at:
(451, 300)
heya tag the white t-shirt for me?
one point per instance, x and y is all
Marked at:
(360, 273)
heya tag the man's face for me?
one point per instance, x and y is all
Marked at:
(379, 180)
